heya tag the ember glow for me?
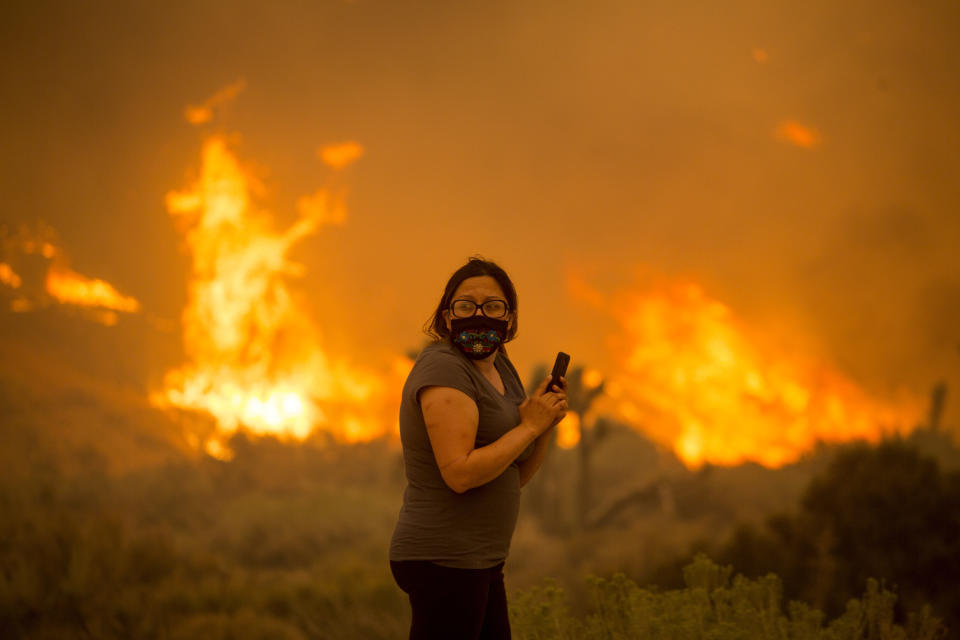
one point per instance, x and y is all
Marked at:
(201, 114)
(690, 377)
(794, 133)
(568, 430)
(340, 155)
(255, 356)
(8, 276)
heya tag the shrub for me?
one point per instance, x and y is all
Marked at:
(711, 607)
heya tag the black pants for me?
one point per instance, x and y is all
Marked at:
(454, 604)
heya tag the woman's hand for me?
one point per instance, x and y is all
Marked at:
(563, 384)
(543, 409)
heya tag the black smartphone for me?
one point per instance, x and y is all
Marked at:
(559, 370)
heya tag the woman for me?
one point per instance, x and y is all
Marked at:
(471, 438)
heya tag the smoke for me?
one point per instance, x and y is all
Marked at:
(885, 296)
(613, 134)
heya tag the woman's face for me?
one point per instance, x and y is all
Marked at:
(479, 289)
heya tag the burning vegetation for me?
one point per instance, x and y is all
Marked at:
(255, 358)
(690, 376)
(35, 272)
(688, 373)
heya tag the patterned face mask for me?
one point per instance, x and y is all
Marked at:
(478, 336)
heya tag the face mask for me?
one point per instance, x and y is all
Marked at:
(478, 336)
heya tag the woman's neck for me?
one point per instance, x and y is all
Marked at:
(486, 365)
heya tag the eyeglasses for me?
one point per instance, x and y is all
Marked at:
(468, 308)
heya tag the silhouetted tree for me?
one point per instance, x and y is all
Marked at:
(885, 512)
(547, 494)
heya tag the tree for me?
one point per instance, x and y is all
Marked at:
(886, 512)
(580, 398)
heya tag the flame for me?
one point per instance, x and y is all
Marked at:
(592, 378)
(8, 276)
(760, 55)
(340, 155)
(70, 287)
(202, 114)
(568, 430)
(796, 134)
(215, 448)
(58, 283)
(322, 208)
(689, 376)
(255, 358)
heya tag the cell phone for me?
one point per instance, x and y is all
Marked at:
(559, 370)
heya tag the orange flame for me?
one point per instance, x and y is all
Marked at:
(568, 430)
(592, 378)
(340, 155)
(322, 208)
(58, 283)
(202, 114)
(254, 355)
(70, 287)
(690, 377)
(8, 276)
(796, 134)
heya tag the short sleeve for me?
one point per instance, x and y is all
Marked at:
(441, 368)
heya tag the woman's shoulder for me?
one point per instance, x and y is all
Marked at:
(439, 364)
(441, 354)
(440, 349)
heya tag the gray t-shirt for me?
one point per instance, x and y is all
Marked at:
(470, 530)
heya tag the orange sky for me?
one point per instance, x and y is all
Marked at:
(812, 188)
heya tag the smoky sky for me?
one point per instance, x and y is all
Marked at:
(600, 137)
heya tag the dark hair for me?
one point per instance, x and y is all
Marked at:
(436, 326)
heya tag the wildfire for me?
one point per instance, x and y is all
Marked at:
(689, 376)
(255, 357)
(70, 287)
(58, 283)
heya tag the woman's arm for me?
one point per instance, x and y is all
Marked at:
(531, 465)
(452, 417)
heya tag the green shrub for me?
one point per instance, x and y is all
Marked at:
(713, 606)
